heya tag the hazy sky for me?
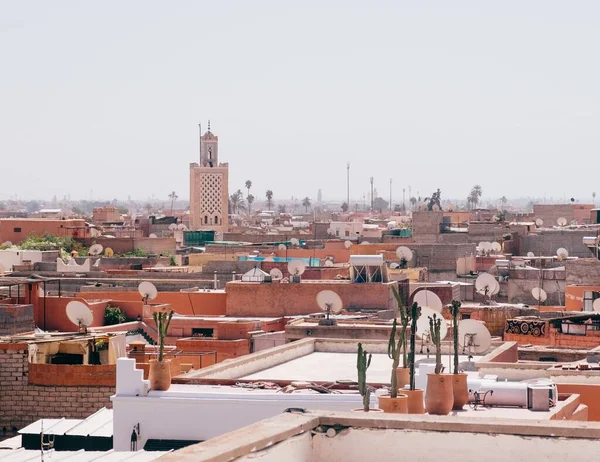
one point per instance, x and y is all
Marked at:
(104, 98)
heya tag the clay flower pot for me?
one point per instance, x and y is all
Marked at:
(160, 374)
(402, 377)
(398, 405)
(439, 397)
(460, 391)
(414, 402)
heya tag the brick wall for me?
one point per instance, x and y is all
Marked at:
(15, 319)
(22, 403)
(547, 242)
(68, 375)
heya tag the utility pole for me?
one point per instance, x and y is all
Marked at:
(348, 185)
(404, 199)
(372, 195)
(410, 194)
(391, 195)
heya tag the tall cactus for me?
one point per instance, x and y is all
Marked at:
(363, 362)
(404, 320)
(454, 311)
(415, 313)
(394, 354)
(162, 320)
(434, 330)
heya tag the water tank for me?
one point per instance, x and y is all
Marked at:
(366, 260)
(590, 241)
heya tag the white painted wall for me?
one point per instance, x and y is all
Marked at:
(9, 258)
(295, 449)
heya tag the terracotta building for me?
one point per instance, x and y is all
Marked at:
(209, 191)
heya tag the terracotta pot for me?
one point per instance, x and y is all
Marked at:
(160, 374)
(439, 397)
(402, 377)
(414, 401)
(391, 405)
(460, 391)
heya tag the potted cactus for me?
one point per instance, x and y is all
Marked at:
(394, 402)
(160, 368)
(459, 379)
(415, 396)
(439, 397)
(363, 361)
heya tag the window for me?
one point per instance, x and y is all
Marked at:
(347, 234)
(205, 220)
(216, 220)
(466, 316)
(16, 230)
(202, 332)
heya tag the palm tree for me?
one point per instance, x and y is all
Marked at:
(173, 196)
(250, 199)
(413, 202)
(475, 194)
(503, 201)
(236, 202)
(248, 185)
(306, 203)
(594, 198)
(344, 207)
(269, 196)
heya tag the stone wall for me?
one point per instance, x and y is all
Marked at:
(426, 226)
(22, 403)
(521, 282)
(16, 319)
(547, 242)
(584, 271)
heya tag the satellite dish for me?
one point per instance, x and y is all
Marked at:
(95, 250)
(147, 290)
(530, 254)
(153, 236)
(562, 253)
(428, 299)
(330, 303)
(404, 253)
(562, 221)
(496, 246)
(539, 222)
(347, 244)
(108, 252)
(173, 227)
(8, 244)
(496, 288)
(539, 294)
(294, 241)
(328, 263)
(276, 274)
(79, 314)
(485, 283)
(296, 267)
(394, 265)
(329, 231)
(182, 227)
(423, 328)
(596, 305)
(282, 247)
(473, 336)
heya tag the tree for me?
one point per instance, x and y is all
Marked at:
(236, 202)
(248, 185)
(593, 198)
(344, 207)
(250, 199)
(434, 200)
(380, 204)
(503, 201)
(474, 195)
(281, 208)
(413, 202)
(269, 196)
(306, 203)
(173, 196)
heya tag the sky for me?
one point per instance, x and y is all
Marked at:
(102, 100)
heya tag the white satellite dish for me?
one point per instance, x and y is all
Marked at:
(539, 294)
(539, 222)
(153, 236)
(173, 227)
(496, 246)
(276, 274)
(394, 265)
(428, 299)
(530, 254)
(562, 253)
(329, 231)
(79, 314)
(364, 243)
(296, 267)
(8, 244)
(423, 328)
(294, 241)
(328, 263)
(348, 244)
(282, 246)
(496, 288)
(95, 250)
(562, 221)
(330, 303)
(485, 284)
(596, 305)
(182, 227)
(147, 290)
(403, 252)
(473, 336)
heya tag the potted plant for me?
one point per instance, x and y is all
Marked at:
(402, 373)
(363, 361)
(459, 379)
(394, 402)
(439, 397)
(160, 369)
(415, 396)
(102, 349)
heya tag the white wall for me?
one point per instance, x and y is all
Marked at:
(8, 258)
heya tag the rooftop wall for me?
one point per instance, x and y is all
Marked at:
(16, 319)
(547, 242)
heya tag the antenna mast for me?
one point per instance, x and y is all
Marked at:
(348, 185)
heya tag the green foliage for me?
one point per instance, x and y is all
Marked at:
(434, 330)
(363, 362)
(101, 345)
(113, 315)
(50, 242)
(414, 315)
(133, 253)
(455, 311)
(172, 261)
(162, 320)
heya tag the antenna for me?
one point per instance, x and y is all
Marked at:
(7, 244)
(539, 222)
(539, 294)
(496, 246)
(173, 227)
(182, 227)
(294, 241)
(296, 268)
(428, 299)
(80, 315)
(473, 337)
(282, 246)
(485, 284)
(562, 221)
(423, 328)
(276, 274)
(329, 302)
(404, 253)
(95, 250)
(153, 236)
(596, 305)
(394, 265)
(562, 253)
(328, 263)
(530, 254)
(108, 252)
(148, 291)
(348, 244)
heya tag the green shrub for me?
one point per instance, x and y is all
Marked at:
(114, 315)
